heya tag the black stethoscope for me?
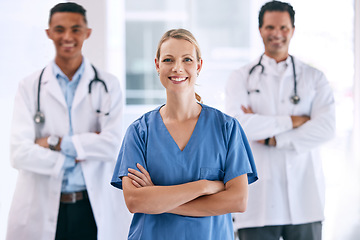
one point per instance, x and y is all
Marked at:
(294, 99)
(40, 117)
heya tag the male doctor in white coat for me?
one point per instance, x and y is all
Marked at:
(64, 143)
(287, 111)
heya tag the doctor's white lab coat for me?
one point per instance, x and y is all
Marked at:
(290, 189)
(34, 210)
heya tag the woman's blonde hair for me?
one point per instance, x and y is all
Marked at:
(184, 35)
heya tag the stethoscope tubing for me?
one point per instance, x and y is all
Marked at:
(295, 99)
(39, 116)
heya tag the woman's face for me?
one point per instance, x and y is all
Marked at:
(178, 65)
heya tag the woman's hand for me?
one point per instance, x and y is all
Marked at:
(143, 179)
(213, 187)
(140, 179)
(142, 196)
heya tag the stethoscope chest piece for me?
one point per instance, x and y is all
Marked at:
(39, 117)
(295, 99)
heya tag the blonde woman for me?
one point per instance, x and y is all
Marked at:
(183, 167)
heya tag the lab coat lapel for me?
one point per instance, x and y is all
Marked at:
(82, 89)
(50, 82)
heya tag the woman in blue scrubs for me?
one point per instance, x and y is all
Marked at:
(184, 167)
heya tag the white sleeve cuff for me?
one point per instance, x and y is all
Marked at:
(79, 148)
(284, 123)
(282, 141)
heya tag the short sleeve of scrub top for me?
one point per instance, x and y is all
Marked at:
(217, 150)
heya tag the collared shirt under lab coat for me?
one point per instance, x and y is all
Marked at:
(73, 180)
(290, 189)
(34, 210)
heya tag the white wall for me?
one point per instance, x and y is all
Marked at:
(24, 48)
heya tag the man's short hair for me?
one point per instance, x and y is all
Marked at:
(276, 6)
(68, 7)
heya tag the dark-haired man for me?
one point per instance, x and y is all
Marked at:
(287, 110)
(64, 143)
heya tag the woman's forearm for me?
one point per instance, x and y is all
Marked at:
(160, 199)
(233, 199)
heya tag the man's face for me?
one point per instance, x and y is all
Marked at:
(68, 31)
(276, 33)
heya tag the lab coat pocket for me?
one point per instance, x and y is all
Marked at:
(212, 174)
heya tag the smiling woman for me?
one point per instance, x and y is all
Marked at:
(171, 179)
(178, 60)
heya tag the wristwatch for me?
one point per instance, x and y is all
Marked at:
(53, 142)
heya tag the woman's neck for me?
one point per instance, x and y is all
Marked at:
(180, 108)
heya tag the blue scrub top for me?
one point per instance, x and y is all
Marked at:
(217, 150)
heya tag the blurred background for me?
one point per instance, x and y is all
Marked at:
(124, 40)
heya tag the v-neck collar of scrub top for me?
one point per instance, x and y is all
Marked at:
(193, 134)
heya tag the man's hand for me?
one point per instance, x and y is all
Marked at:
(43, 143)
(297, 121)
(270, 142)
(246, 109)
